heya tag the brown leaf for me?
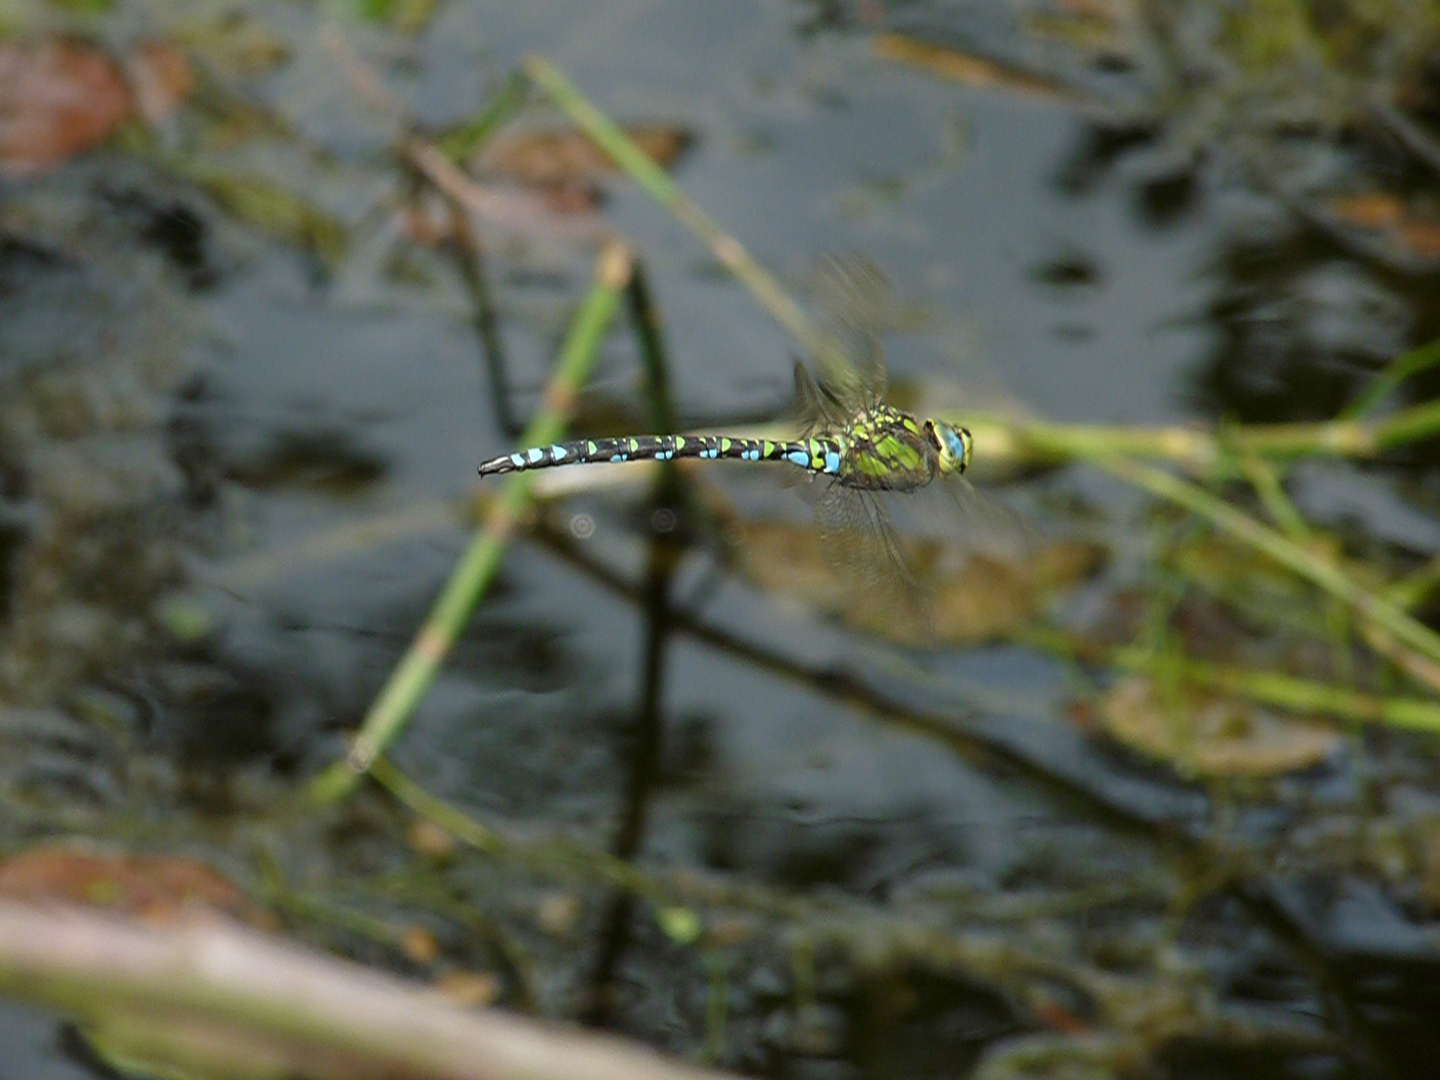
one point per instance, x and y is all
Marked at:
(967, 597)
(1421, 236)
(152, 887)
(1210, 735)
(57, 98)
(161, 77)
(968, 68)
(568, 159)
(1370, 210)
(419, 945)
(1418, 234)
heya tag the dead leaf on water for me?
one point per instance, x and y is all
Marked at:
(1105, 30)
(419, 945)
(1369, 210)
(431, 840)
(234, 44)
(968, 68)
(1204, 734)
(1421, 236)
(966, 597)
(161, 77)
(786, 558)
(566, 167)
(57, 98)
(155, 888)
(1381, 212)
(558, 158)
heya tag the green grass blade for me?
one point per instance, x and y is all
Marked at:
(662, 188)
(1320, 571)
(412, 676)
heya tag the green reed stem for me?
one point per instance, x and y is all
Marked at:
(1320, 571)
(1288, 692)
(646, 321)
(662, 188)
(1002, 438)
(1408, 425)
(460, 144)
(539, 854)
(416, 670)
(1038, 442)
(1411, 590)
(1265, 478)
(1396, 372)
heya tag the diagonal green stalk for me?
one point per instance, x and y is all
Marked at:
(1039, 442)
(1321, 572)
(1032, 441)
(538, 853)
(1396, 372)
(1289, 692)
(662, 188)
(416, 670)
(460, 144)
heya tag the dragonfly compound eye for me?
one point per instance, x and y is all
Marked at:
(953, 444)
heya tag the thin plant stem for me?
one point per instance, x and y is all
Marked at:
(1387, 381)
(1411, 590)
(1197, 449)
(642, 748)
(470, 263)
(1265, 478)
(412, 676)
(646, 321)
(1394, 624)
(662, 188)
(643, 766)
(464, 141)
(1287, 692)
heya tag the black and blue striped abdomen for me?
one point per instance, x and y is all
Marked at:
(822, 455)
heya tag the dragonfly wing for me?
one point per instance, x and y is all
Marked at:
(863, 546)
(818, 408)
(853, 303)
(978, 523)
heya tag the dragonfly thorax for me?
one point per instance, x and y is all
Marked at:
(890, 450)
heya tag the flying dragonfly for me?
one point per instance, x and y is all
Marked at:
(863, 449)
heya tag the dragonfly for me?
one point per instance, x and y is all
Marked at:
(862, 449)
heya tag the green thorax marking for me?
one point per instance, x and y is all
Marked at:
(886, 449)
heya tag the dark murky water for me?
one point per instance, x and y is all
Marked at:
(969, 872)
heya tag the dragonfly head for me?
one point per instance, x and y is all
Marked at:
(953, 443)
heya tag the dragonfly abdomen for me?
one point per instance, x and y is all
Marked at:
(821, 455)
